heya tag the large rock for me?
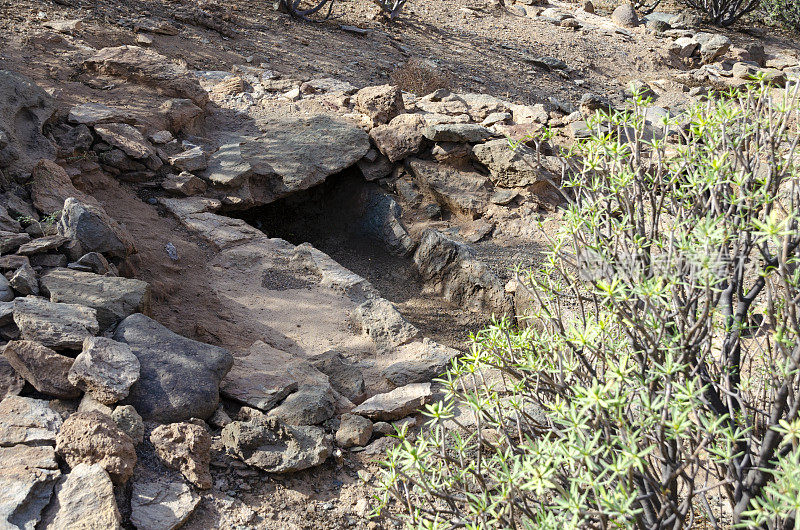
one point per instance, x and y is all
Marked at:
(11, 241)
(84, 499)
(344, 376)
(186, 447)
(97, 113)
(259, 378)
(42, 244)
(310, 405)
(457, 132)
(396, 404)
(27, 476)
(160, 503)
(451, 269)
(24, 281)
(625, 16)
(6, 292)
(91, 226)
(353, 431)
(54, 325)
(400, 138)
(712, 45)
(51, 186)
(105, 368)
(27, 421)
(515, 167)
(422, 361)
(464, 193)
(43, 368)
(383, 323)
(24, 109)
(10, 381)
(380, 103)
(179, 377)
(126, 138)
(129, 421)
(380, 217)
(113, 297)
(268, 444)
(94, 438)
(149, 68)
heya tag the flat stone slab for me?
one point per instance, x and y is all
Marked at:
(54, 325)
(396, 404)
(27, 475)
(160, 503)
(26, 420)
(260, 378)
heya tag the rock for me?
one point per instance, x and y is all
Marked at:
(105, 368)
(259, 378)
(96, 113)
(686, 19)
(161, 137)
(451, 270)
(90, 404)
(11, 241)
(503, 196)
(94, 438)
(462, 192)
(8, 223)
(92, 262)
(302, 152)
(310, 405)
(588, 7)
(51, 186)
(380, 103)
(400, 138)
(27, 476)
(94, 229)
(396, 404)
(27, 421)
(159, 503)
(268, 444)
(129, 422)
(42, 245)
(126, 138)
(380, 320)
(10, 381)
(625, 16)
(181, 114)
(377, 169)
(149, 68)
(84, 499)
(514, 167)
(383, 428)
(712, 45)
(184, 184)
(353, 431)
(43, 368)
(547, 63)
(13, 262)
(54, 325)
(113, 297)
(193, 159)
(381, 217)
(187, 448)
(744, 70)
(220, 418)
(457, 132)
(422, 361)
(179, 377)
(24, 109)
(773, 76)
(6, 292)
(344, 376)
(24, 281)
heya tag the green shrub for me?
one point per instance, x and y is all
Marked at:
(657, 383)
(786, 12)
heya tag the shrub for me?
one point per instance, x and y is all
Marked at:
(420, 77)
(658, 378)
(724, 12)
(786, 12)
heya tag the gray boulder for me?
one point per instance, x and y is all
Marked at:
(422, 361)
(27, 421)
(24, 281)
(91, 226)
(43, 368)
(310, 405)
(113, 297)
(160, 502)
(179, 377)
(105, 368)
(10, 381)
(27, 476)
(457, 132)
(512, 168)
(54, 325)
(6, 292)
(462, 192)
(384, 324)
(625, 16)
(396, 404)
(344, 376)
(84, 499)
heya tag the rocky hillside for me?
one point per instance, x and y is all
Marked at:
(234, 257)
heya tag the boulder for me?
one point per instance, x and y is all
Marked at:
(309, 405)
(457, 132)
(712, 45)
(94, 438)
(51, 186)
(422, 361)
(129, 421)
(54, 325)
(353, 431)
(105, 368)
(27, 476)
(179, 377)
(181, 115)
(515, 167)
(383, 323)
(113, 297)
(462, 192)
(451, 269)
(149, 68)
(43, 368)
(184, 184)
(186, 447)
(6, 292)
(11, 241)
(24, 109)
(161, 503)
(259, 378)
(380, 103)
(42, 245)
(28, 421)
(10, 381)
(24, 281)
(380, 217)
(96, 113)
(92, 262)
(84, 499)
(126, 138)
(625, 16)
(344, 376)
(91, 226)
(396, 404)
(268, 444)
(7, 222)
(400, 138)
(193, 159)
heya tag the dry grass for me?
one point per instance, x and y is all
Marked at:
(420, 77)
